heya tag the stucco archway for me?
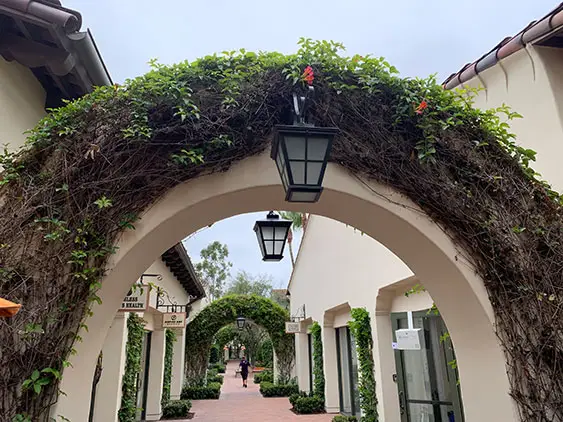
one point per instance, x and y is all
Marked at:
(376, 210)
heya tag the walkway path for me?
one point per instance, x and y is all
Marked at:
(239, 404)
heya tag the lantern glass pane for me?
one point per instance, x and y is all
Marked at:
(280, 233)
(308, 196)
(295, 146)
(314, 173)
(269, 247)
(267, 232)
(284, 178)
(298, 172)
(316, 148)
(278, 247)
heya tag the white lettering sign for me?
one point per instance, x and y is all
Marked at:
(137, 300)
(292, 327)
(174, 320)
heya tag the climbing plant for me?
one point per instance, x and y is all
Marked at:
(360, 326)
(168, 357)
(133, 351)
(318, 365)
(91, 168)
(208, 323)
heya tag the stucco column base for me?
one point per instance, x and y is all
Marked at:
(177, 381)
(156, 376)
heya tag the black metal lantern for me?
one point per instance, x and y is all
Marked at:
(241, 321)
(272, 236)
(301, 152)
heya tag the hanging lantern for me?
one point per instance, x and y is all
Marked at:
(301, 152)
(241, 322)
(272, 236)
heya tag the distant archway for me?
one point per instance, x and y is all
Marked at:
(262, 311)
(440, 184)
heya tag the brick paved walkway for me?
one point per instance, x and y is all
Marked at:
(239, 404)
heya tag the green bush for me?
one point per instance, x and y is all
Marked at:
(293, 398)
(308, 405)
(214, 354)
(212, 373)
(215, 379)
(342, 418)
(266, 376)
(218, 367)
(211, 391)
(176, 409)
(268, 389)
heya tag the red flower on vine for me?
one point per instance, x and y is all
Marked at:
(423, 104)
(308, 75)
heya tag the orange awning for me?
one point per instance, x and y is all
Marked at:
(8, 309)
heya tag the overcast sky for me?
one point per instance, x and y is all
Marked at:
(418, 37)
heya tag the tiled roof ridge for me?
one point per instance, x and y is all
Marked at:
(50, 11)
(534, 31)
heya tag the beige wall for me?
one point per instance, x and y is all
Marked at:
(22, 102)
(530, 82)
(363, 273)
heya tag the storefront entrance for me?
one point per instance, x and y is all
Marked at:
(347, 372)
(427, 379)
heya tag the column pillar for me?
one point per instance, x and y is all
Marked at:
(302, 360)
(178, 369)
(108, 391)
(332, 399)
(156, 376)
(384, 356)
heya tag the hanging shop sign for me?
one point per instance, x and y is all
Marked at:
(174, 320)
(137, 300)
(292, 327)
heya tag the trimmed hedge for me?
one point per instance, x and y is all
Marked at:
(215, 379)
(211, 391)
(268, 389)
(176, 409)
(293, 398)
(219, 367)
(266, 376)
(342, 418)
(308, 405)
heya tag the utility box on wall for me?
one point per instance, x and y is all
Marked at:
(409, 338)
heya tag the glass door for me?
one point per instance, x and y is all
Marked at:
(347, 372)
(427, 378)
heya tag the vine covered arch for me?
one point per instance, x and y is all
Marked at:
(262, 311)
(91, 169)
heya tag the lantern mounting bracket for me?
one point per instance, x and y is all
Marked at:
(301, 104)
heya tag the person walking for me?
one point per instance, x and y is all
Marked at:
(244, 365)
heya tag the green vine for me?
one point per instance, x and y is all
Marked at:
(133, 351)
(318, 365)
(208, 325)
(360, 326)
(168, 357)
(90, 168)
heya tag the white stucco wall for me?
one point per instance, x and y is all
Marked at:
(22, 102)
(339, 268)
(530, 82)
(338, 264)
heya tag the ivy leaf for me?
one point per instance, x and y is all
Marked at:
(103, 202)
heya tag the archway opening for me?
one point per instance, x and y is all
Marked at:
(440, 184)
